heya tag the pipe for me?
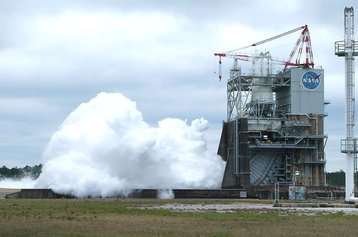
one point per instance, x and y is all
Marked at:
(350, 99)
(348, 145)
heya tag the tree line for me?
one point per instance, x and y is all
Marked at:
(332, 178)
(18, 173)
(336, 178)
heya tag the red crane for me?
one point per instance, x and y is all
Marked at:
(304, 39)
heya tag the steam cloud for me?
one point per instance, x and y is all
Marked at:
(104, 148)
(26, 182)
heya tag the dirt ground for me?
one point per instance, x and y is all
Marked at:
(5, 191)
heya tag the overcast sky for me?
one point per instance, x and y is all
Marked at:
(55, 55)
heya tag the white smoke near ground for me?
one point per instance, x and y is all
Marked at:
(165, 194)
(104, 148)
(26, 182)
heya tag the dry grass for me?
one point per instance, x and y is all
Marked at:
(119, 217)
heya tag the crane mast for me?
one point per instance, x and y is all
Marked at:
(348, 49)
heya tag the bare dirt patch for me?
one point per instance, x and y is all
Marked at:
(5, 191)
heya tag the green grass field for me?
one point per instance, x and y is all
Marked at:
(129, 217)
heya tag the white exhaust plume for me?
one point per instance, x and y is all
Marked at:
(104, 148)
(26, 182)
(165, 194)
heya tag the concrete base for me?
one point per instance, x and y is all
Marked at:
(143, 193)
(316, 205)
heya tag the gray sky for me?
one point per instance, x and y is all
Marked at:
(55, 55)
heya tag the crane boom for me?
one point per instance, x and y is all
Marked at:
(279, 36)
(303, 39)
(269, 39)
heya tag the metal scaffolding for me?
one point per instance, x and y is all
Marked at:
(274, 133)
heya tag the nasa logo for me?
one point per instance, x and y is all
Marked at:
(311, 80)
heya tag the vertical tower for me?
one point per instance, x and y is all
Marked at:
(348, 49)
(274, 131)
